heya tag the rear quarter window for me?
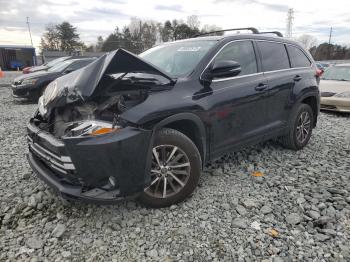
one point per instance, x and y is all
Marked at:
(274, 56)
(297, 57)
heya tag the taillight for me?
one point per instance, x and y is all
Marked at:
(319, 72)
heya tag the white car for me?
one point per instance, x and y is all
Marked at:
(335, 88)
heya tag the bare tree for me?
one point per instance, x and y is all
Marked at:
(193, 21)
(307, 41)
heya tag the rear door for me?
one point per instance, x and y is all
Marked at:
(303, 73)
(277, 70)
(237, 107)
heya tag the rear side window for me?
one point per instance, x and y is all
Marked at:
(274, 56)
(241, 52)
(297, 57)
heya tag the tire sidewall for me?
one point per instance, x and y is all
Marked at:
(302, 108)
(175, 138)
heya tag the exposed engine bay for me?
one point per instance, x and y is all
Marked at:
(65, 121)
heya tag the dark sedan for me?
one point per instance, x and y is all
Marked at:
(32, 69)
(32, 86)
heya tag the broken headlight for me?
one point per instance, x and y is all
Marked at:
(90, 128)
(50, 93)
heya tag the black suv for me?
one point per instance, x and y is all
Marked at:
(144, 126)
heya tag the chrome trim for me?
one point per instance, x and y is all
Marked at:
(60, 163)
(286, 69)
(235, 77)
(262, 72)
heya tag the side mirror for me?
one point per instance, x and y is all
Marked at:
(225, 68)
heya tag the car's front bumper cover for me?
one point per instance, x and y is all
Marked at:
(338, 104)
(22, 91)
(81, 168)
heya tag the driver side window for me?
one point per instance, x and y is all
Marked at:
(241, 52)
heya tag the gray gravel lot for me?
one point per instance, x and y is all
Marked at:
(299, 210)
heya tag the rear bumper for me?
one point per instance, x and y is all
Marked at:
(82, 168)
(335, 104)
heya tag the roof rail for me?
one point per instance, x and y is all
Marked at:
(253, 29)
(272, 32)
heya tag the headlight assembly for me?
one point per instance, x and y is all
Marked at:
(29, 81)
(91, 128)
(50, 93)
(343, 94)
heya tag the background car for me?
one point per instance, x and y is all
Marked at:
(15, 64)
(32, 86)
(335, 88)
(45, 66)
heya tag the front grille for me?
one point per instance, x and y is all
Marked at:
(328, 107)
(327, 94)
(61, 164)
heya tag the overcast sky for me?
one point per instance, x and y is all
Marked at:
(100, 17)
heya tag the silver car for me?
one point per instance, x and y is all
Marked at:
(335, 88)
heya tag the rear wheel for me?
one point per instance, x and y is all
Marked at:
(175, 169)
(300, 128)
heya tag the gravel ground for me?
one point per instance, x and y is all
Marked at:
(299, 210)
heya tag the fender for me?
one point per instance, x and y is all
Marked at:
(301, 96)
(186, 116)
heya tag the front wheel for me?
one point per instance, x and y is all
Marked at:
(175, 169)
(300, 128)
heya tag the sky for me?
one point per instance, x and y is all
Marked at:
(100, 17)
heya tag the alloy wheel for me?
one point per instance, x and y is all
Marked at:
(170, 171)
(303, 127)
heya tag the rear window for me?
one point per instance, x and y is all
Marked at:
(274, 56)
(297, 57)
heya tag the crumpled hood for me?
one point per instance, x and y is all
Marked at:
(85, 83)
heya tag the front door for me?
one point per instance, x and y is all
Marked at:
(237, 106)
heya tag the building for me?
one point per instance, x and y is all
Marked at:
(13, 57)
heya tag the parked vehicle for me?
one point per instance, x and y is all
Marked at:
(144, 126)
(335, 88)
(16, 65)
(32, 86)
(45, 66)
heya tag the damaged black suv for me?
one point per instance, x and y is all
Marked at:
(144, 126)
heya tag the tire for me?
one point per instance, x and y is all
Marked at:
(176, 149)
(292, 139)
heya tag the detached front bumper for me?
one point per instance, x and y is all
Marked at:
(337, 104)
(82, 168)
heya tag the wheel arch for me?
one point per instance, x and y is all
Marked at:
(190, 125)
(313, 102)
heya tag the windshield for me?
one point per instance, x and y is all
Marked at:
(60, 66)
(178, 58)
(341, 73)
(55, 61)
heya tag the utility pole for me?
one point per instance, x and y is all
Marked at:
(289, 27)
(329, 42)
(30, 34)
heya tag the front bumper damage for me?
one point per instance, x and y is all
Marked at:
(82, 168)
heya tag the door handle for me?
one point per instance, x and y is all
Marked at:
(261, 87)
(297, 78)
